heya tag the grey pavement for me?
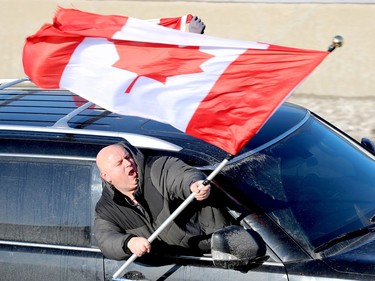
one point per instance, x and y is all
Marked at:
(355, 116)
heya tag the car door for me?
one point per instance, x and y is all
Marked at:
(194, 269)
(46, 217)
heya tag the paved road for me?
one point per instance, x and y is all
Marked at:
(355, 116)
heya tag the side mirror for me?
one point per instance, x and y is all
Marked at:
(235, 246)
(368, 144)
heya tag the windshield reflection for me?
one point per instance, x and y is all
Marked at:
(315, 184)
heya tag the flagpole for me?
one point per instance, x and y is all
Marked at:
(183, 205)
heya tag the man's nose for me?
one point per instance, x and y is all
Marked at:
(127, 163)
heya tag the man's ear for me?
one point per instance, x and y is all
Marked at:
(105, 177)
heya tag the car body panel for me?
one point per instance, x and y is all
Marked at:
(41, 263)
(182, 271)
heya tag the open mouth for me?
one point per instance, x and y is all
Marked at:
(133, 173)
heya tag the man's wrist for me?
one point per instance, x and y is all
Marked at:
(125, 245)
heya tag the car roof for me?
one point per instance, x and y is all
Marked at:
(24, 107)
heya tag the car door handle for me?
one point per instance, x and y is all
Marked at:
(131, 276)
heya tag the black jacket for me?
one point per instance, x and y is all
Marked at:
(164, 182)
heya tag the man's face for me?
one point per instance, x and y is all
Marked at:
(119, 169)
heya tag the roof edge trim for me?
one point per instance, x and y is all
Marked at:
(139, 141)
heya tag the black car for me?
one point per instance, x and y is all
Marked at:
(301, 194)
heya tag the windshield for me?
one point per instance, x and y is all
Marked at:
(315, 184)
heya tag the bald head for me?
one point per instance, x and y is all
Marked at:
(117, 166)
(106, 154)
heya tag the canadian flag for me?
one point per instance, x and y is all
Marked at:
(219, 90)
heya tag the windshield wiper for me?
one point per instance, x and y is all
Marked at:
(345, 236)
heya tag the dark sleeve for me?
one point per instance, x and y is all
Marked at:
(111, 240)
(173, 177)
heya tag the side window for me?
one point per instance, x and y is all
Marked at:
(46, 200)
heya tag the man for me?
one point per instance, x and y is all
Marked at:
(140, 193)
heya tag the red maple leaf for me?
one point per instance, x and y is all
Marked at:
(158, 61)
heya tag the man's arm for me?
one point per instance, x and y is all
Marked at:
(114, 244)
(176, 179)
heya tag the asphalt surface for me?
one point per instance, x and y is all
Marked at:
(355, 116)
